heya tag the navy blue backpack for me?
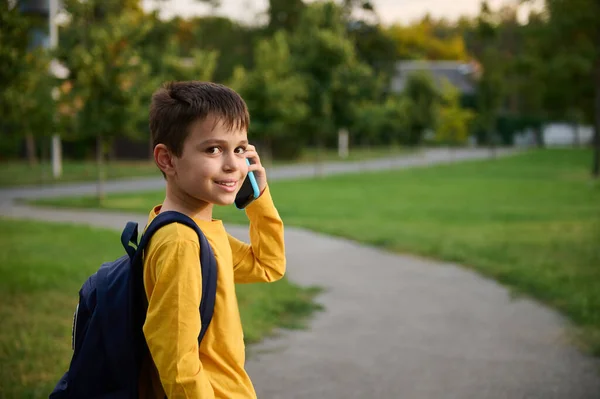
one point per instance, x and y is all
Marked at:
(107, 340)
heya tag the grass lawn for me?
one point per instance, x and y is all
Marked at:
(21, 174)
(531, 221)
(42, 267)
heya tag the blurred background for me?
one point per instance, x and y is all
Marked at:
(77, 76)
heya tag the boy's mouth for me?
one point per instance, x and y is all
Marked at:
(228, 185)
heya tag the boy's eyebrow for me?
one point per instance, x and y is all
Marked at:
(221, 141)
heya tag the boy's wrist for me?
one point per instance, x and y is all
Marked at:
(263, 200)
(262, 191)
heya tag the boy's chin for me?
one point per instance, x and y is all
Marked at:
(225, 201)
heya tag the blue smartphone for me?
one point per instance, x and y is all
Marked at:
(248, 192)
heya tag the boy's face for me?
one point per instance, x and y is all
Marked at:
(212, 166)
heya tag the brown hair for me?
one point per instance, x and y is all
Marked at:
(177, 105)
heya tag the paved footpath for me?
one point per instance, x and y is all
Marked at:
(394, 326)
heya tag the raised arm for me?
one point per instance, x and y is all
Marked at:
(264, 259)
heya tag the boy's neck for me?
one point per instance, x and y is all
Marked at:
(187, 205)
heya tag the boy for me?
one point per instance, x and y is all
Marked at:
(199, 133)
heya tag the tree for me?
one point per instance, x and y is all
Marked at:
(374, 47)
(324, 56)
(276, 97)
(354, 85)
(173, 52)
(424, 97)
(387, 122)
(490, 89)
(284, 14)
(452, 121)
(232, 42)
(29, 104)
(427, 40)
(14, 29)
(532, 76)
(109, 83)
(574, 34)
(24, 80)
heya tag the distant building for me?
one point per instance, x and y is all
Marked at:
(558, 134)
(460, 74)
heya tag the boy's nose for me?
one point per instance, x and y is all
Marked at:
(231, 163)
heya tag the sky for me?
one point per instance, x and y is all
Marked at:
(390, 11)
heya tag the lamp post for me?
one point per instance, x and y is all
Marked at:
(56, 144)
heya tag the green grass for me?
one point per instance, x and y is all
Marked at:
(42, 267)
(530, 221)
(21, 174)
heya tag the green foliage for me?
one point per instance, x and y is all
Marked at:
(14, 38)
(110, 84)
(25, 79)
(490, 86)
(452, 121)
(386, 123)
(200, 65)
(284, 14)
(527, 73)
(571, 40)
(30, 93)
(424, 41)
(354, 84)
(375, 47)
(275, 95)
(173, 51)
(336, 81)
(423, 95)
(233, 42)
(574, 34)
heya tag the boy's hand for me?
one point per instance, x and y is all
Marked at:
(255, 166)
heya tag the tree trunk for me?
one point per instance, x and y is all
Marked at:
(539, 136)
(491, 131)
(319, 156)
(112, 152)
(576, 138)
(100, 168)
(45, 159)
(32, 158)
(57, 168)
(596, 162)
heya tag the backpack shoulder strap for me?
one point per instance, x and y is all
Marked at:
(208, 263)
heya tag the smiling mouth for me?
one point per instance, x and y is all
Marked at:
(227, 183)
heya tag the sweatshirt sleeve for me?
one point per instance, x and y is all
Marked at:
(173, 323)
(264, 259)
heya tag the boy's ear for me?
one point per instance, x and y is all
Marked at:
(164, 159)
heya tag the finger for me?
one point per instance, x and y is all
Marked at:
(253, 156)
(255, 167)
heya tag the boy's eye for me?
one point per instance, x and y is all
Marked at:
(240, 150)
(213, 150)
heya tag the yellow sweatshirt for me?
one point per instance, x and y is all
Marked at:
(172, 280)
